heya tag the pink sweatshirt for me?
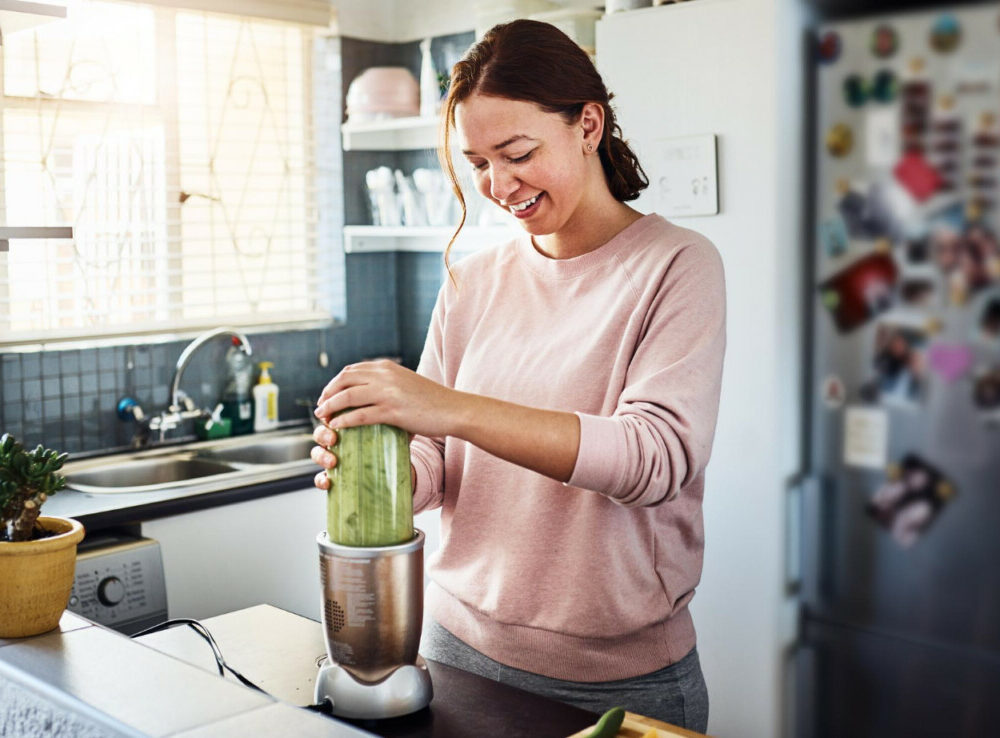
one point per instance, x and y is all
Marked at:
(589, 580)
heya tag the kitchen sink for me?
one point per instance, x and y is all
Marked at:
(205, 466)
(147, 473)
(267, 451)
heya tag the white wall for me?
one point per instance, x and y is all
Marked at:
(713, 66)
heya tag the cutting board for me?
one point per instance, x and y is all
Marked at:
(636, 726)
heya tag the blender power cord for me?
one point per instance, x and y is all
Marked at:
(220, 662)
(201, 630)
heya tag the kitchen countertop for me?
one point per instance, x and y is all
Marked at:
(84, 680)
(280, 651)
(97, 511)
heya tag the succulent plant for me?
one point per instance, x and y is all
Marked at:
(27, 479)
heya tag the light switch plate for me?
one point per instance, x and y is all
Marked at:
(684, 176)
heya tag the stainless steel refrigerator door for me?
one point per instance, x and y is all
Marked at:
(862, 684)
(945, 588)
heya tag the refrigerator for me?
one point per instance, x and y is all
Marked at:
(900, 570)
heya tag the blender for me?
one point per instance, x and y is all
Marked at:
(372, 573)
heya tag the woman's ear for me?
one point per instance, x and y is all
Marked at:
(592, 125)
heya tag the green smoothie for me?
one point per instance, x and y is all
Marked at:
(370, 502)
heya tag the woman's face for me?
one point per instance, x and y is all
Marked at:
(524, 159)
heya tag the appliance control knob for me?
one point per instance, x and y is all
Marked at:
(111, 591)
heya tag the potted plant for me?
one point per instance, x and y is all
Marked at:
(37, 554)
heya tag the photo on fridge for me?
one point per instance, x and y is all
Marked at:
(910, 499)
(900, 364)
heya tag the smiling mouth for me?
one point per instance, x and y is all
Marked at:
(522, 206)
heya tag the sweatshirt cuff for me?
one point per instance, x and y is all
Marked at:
(423, 492)
(601, 454)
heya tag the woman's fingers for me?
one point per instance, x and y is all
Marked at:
(322, 481)
(323, 457)
(324, 436)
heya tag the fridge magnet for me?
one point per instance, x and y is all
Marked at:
(855, 89)
(900, 363)
(986, 393)
(840, 140)
(833, 237)
(833, 392)
(828, 48)
(866, 437)
(919, 178)
(884, 41)
(910, 499)
(946, 34)
(860, 292)
(884, 86)
(917, 292)
(949, 361)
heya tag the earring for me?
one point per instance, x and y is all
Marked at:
(590, 147)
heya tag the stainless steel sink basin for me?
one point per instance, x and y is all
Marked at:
(282, 450)
(197, 467)
(148, 473)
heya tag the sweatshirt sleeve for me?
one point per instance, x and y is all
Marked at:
(426, 453)
(659, 437)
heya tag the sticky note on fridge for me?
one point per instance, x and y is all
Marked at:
(866, 437)
(882, 137)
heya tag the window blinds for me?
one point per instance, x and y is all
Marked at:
(179, 145)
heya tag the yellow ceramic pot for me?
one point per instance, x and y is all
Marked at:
(36, 578)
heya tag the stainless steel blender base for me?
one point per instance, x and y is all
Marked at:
(406, 690)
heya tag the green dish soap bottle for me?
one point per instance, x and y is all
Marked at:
(237, 398)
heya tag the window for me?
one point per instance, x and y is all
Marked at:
(179, 145)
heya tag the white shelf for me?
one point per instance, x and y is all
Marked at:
(17, 15)
(368, 239)
(397, 134)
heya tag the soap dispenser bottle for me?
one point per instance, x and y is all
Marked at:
(265, 400)
(237, 400)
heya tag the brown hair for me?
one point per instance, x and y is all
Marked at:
(536, 62)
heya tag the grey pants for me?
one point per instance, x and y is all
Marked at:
(675, 694)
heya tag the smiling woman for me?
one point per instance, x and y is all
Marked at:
(498, 77)
(564, 406)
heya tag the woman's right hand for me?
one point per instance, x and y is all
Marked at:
(321, 454)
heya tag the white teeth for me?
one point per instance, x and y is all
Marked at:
(525, 204)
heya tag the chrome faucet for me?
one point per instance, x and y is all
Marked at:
(177, 395)
(181, 405)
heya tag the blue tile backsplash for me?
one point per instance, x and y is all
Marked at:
(67, 399)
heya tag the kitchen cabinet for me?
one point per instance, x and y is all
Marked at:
(404, 144)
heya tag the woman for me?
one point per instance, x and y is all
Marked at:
(565, 401)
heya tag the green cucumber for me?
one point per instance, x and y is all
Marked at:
(608, 725)
(370, 501)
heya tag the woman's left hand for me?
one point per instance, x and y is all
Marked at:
(384, 392)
